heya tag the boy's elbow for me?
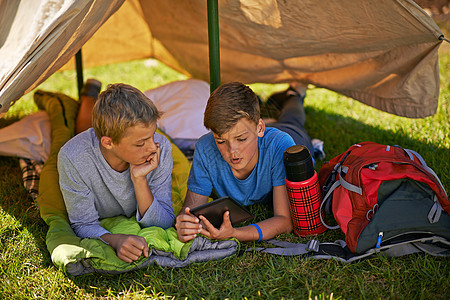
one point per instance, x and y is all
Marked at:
(164, 224)
(171, 223)
(288, 229)
(287, 226)
(283, 224)
(169, 220)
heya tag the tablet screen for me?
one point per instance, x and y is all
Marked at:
(214, 210)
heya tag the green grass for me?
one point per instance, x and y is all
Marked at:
(26, 270)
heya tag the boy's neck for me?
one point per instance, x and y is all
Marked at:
(115, 163)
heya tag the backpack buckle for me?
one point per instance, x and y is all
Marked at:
(312, 245)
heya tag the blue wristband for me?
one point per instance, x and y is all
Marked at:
(260, 234)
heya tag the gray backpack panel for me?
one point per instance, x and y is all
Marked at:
(403, 208)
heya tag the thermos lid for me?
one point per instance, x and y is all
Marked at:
(298, 163)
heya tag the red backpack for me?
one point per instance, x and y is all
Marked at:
(378, 193)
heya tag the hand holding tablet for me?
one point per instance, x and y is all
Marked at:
(214, 210)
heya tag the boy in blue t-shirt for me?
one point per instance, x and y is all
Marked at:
(242, 158)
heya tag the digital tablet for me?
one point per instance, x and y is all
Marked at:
(214, 210)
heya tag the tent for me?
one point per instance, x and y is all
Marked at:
(382, 53)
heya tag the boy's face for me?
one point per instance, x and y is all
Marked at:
(136, 146)
(239, 146)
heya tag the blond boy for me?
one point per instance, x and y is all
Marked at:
(118, 167)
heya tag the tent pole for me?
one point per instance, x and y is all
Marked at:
(79, 68)
(214, 48)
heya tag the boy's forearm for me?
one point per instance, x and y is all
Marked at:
(193, 200)
(269, 228)
(82, 230)
(144, 195)
(154, 208)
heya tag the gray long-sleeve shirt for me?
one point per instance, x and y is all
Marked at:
(92, 190)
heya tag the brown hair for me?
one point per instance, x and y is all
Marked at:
(119, 107)
(228, 104)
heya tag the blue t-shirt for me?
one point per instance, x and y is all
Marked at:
(209, 170)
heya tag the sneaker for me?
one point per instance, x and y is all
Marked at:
(318, 149)
(91, 88)
(280, 98)
(299, 87)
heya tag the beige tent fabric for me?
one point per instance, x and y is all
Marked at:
(382, 53)
(38, 37)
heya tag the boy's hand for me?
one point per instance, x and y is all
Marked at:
(225, 231)
(152, 163)
(128, 247)
(187, 225)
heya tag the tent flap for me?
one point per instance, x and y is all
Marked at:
(382, 53)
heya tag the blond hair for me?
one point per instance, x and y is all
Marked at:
(119, 107)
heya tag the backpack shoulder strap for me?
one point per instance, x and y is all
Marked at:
(326, 199)
(425, 166)
(433, 245)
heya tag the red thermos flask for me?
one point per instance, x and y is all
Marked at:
(303, 191)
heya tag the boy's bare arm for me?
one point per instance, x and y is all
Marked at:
(144, 195)
(281, 222)
(188, 225)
